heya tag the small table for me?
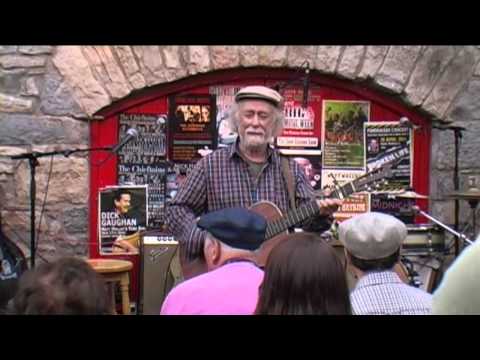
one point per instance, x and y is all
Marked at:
(113, 271)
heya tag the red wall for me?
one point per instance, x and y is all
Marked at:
(154, 101)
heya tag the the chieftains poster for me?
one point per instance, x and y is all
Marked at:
(122, 215)
(142, 161)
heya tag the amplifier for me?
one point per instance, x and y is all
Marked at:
(159, 271)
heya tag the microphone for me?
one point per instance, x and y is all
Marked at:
(131, 134)
(306, 86)
(416, 209)
(162, 119)
(404, 121)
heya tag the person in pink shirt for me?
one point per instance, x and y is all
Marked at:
(231, 285)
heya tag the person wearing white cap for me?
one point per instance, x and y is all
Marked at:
(242, 174)
(372, 244)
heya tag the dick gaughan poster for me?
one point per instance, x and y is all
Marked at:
(123, 215)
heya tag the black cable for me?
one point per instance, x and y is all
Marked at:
(280, 86)
(44, 202)
(422, 264)
(23, 241)
(102, 161)
(168, 272)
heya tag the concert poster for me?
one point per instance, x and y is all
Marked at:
(387, 141)
(123, 213)
(142, 161)
(310, 162)
(400, 208)
(224, 97)
(343, 135)
(191, 127)
(354, 204)
(302, 127)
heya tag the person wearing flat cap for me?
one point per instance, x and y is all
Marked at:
(372, 243)
(231, 285)
(242, 174)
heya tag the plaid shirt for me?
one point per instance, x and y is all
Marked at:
(384, 293)
(222, 180)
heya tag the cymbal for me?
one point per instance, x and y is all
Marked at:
(410, 195)
(465, 195)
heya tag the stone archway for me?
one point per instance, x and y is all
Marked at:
(425, 77)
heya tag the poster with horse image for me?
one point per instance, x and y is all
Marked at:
(343, 134)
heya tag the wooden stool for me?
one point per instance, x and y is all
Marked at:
(112, 271)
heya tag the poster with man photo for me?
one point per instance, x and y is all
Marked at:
(225, 98)
(123, 213)
(343, 144)
(311, 163)
(191, 127)
(389, 141)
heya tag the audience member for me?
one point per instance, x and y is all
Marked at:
(230, 287)
(303, 276)
(372, 247)
(459, 291)
(68, 286)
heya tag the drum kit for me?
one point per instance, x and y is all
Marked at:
(424, 248)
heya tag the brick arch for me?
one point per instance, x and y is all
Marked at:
(424, 77)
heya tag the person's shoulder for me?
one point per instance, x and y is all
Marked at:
(191, 285)
(420, 293)
(217, 154)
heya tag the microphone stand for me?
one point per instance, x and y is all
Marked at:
(457, 234)
(33, 162)
(457, 132)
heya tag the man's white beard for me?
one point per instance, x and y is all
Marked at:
(254, 142)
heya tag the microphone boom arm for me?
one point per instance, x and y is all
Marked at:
(449, 229)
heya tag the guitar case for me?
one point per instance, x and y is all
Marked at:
(12, 265)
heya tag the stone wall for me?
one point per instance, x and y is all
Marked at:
(39, 113)
(46, 92)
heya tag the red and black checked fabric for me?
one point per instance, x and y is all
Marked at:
(222, 180)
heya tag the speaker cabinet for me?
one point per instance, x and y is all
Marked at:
(160, 271)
